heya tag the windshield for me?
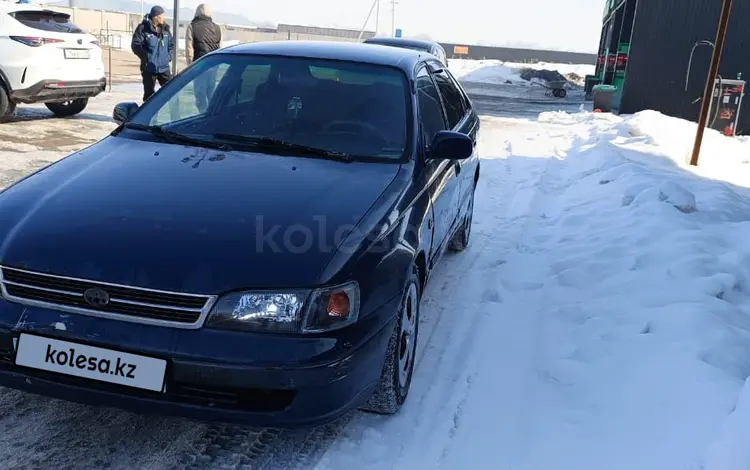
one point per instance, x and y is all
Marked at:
(345, 107)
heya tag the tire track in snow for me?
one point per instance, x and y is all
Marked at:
(37, 432)
(243, 448)
(512, 330)
(422, 433)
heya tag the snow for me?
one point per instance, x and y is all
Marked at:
(599, 319)
(499, 72)
(730, 451)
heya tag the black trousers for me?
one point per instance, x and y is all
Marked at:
(149, 82)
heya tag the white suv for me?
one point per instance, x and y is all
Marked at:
(44, 58)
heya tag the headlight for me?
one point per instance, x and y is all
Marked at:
(295, 311)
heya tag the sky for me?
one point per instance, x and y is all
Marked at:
(571, 25)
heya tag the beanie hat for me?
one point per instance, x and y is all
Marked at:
(156, 11)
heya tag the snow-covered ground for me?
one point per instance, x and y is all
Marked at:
(499, 72)
(600, 319)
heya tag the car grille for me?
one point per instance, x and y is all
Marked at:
(125, 303)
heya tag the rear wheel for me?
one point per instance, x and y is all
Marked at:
(395, 379)
(7, 107)
(68, 108)
(562, 93)
(460, 240)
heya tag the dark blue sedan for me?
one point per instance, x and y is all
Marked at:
(250, 245)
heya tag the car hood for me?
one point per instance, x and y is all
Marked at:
(186, 219)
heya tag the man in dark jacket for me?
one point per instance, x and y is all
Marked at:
(154, 45)
(201, 37)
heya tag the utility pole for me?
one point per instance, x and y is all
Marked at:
(176, 16)
(721, 34)
(393, 18)
(367, 20)
(377, 17)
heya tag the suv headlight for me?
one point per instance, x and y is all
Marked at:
(292, 311)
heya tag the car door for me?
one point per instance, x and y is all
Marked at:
(461, 118)
(439, 176)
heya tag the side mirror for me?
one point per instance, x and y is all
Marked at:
(123, 112)
(448, 145)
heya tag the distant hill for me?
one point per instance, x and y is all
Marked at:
(132, 6)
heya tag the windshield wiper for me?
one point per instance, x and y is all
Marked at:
(272, 144)
(176, 138)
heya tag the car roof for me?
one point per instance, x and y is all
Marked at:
(404, 59)
(403, 42)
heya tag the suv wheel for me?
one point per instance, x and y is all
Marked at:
(68, 108)
(395, 379)
(7, 107)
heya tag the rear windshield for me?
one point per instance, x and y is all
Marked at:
(47, 21)
(357, 108)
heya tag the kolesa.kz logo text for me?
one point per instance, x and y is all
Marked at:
(81, 361)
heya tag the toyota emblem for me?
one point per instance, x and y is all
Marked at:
(80, 41)
(96, 297)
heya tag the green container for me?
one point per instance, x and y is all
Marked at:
(606, 98)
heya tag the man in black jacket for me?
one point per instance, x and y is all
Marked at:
(154, 45)
(202, 36)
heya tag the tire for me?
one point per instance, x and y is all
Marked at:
(395, 380)
(562, 93)
(7, 107)
(460, 240)
(68, 108)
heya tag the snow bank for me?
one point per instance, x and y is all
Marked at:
(484, 71)
(651, 133)
(499, 72)
(650, 297)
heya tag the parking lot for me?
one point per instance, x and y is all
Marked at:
(34, 138)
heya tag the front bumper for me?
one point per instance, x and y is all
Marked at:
(48, 91)
(320, 380)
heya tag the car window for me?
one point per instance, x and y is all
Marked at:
(455, 107)
(252, 77)
(464, 98)
(186, 103)
(349, 107)
(431, 115)
(47, 21)
(440, 53)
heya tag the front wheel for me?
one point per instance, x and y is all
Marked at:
(395, 379)
(68, 108)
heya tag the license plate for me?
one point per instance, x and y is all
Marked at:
(91, 362)
(77, 54)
